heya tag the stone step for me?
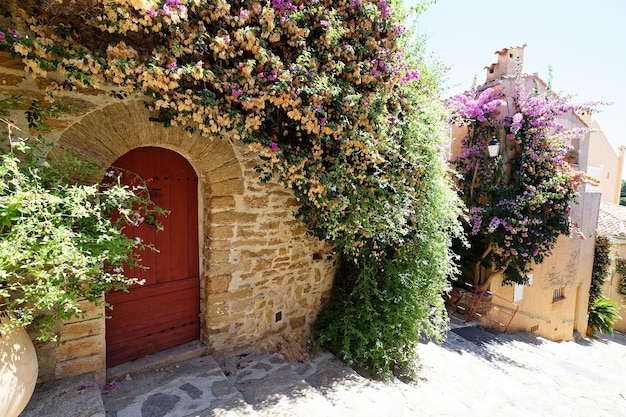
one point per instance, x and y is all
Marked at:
(177, 354)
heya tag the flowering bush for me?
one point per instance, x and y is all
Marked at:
(620, 268)
(604, 253)
(602, 316)
(58, 243)
(311, 86)
(322, 90)
(518, 203)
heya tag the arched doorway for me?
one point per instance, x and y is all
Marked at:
(164, 312)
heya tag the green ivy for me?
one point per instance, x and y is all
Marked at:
(61, 241)
(620, 268)
(602, 258)
(380, 307)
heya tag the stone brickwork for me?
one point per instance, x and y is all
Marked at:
(261, 276)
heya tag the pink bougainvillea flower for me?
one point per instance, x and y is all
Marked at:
(274, 146)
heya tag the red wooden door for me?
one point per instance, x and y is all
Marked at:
(163, 312)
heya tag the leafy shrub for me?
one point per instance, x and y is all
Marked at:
(330, 94)
(58, 243)
(620, 268)
(603, 315)
(602, 260)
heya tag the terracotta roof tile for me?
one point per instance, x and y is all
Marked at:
(612, 219)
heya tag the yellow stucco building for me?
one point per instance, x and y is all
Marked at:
(612, 220)
(603, 162)
(554, 304)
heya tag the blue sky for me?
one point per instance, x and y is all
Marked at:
(584, 42)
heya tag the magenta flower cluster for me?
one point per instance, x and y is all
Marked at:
(483, 106)
(12, 34)
(170, 8)
(518, 203)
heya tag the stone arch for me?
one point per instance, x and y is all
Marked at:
(260, 275)
(104, 135)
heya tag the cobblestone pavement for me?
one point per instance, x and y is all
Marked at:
(472, 374)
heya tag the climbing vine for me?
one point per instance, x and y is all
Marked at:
(329, 94)
(620, 268)
(602, 260)
(519, 202)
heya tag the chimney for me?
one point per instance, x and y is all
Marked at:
(508, 59)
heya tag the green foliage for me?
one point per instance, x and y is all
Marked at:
(602, 312)
(519, 202)
(340, 104)
(603, 315)
(379, 310)
(622, 194)
(602, 259)
(620, 268)
(61, 241)
(381, 306)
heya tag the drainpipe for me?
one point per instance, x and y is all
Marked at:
(620, 169)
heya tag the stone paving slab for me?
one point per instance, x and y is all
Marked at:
(195, 387)
(73, 397)
(275, 388)
(511, 375)
(523, 375)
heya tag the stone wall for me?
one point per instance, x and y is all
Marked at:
(262, 278)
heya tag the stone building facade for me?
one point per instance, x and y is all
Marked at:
(612, 220)
(261, 277)
(554, 304)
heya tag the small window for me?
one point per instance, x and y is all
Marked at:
(558, 294)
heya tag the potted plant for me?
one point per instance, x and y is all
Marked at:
(61, 242)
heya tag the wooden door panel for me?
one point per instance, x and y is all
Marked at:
(193, 248)
(164, 311)
(161, 194)
(146, 298)
(179, 179)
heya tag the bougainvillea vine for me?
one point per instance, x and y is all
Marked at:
(519, 203)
